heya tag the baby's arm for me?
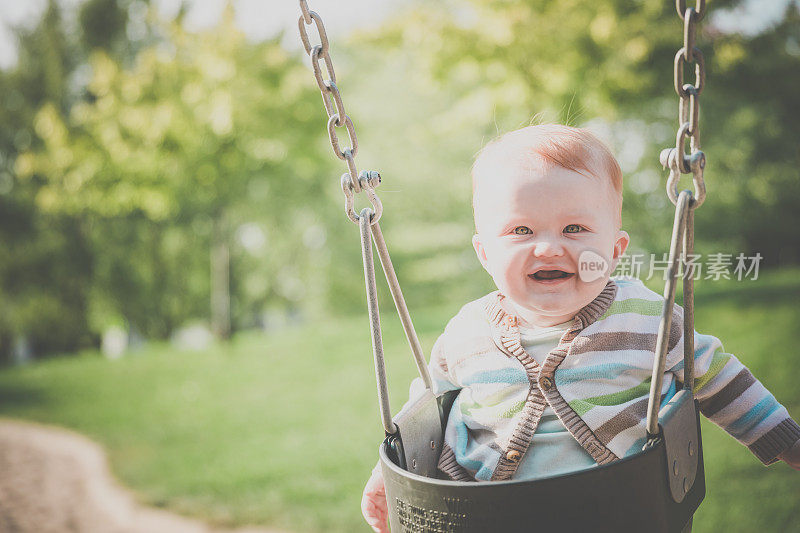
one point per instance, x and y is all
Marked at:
(731, 397)
(373, 500)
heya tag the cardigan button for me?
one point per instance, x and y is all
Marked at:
(546, 384)
(513, 456)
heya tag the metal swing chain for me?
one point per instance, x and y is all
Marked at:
(353, 182)
(685, 204)
(688, 110)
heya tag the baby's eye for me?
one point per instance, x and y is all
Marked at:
(573, 228)
(522, 230)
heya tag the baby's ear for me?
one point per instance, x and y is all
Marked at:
(479, 249)
(623, 240)
(621, 244)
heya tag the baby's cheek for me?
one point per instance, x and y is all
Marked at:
(515, 263)
(502, 271)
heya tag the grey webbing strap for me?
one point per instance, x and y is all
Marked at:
(682, 236)
(688, 303)
(367, 229)
(375, 321)
(400, 304)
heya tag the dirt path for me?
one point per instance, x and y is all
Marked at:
(56, 481)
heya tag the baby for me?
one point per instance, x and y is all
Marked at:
(553, 369)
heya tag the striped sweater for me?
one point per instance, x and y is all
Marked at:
(597, 381)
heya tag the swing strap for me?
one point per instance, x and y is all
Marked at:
(375, 322)
(682, 237)
(368, 230)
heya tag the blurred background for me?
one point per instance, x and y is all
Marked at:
(178, 279)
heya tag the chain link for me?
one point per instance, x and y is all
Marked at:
(689, 34)
(352, 181)
(699, 71)
(306, 12)
(333, 121)
(680, 5)
(317, 21)
(678, 161)
(689, 113)
(323, 84)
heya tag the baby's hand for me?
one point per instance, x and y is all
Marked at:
(792, 456)
(373, 502)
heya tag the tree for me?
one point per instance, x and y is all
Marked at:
(168, 157)
(46, 271)
(45, 264)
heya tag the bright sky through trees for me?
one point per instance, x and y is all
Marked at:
(339, 16)
(257, 18)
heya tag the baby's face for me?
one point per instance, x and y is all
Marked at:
(533, 223)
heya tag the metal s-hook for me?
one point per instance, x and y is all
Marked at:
(696, 164)
(368, 180)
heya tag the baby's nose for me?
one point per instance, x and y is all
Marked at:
(548, 248)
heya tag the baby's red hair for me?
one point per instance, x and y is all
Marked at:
(575, 149)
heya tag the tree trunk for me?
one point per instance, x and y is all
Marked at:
(220, 280)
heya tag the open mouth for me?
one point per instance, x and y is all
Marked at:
(550, 275)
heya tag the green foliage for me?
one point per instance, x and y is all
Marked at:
(205, 132)
(103, 23)
(610, 65)
(754, 135)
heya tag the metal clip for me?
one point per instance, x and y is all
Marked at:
(368, 181)
(696, 164)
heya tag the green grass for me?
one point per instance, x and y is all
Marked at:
(283, 429)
